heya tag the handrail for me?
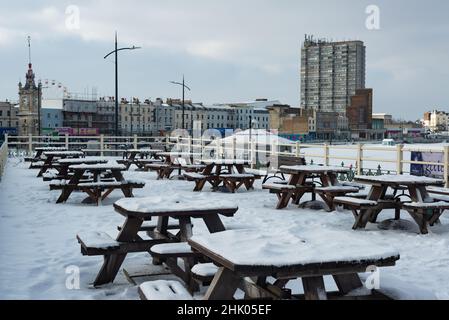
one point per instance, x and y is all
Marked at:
(357, 153)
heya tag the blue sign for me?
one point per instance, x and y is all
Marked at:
(7, 130)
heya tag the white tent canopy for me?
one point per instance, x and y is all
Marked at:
(258, 136)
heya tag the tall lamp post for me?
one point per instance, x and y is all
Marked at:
(116, 77)
(183, 95)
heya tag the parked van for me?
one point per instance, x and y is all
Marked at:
(388, 142)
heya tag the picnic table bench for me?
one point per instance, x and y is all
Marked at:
(424, 210)
(53, 155)
(245, 261)
(138, 211)
(96, 189)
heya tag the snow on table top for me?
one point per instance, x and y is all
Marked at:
(100, 166)
(399, 179)
(144, 151)
(164, 290)
(226, 161)
(179, 154)
(84, 160)
(261, 248)
(355, 200)
(51, 149)
(63, 153)
(314, 168)
(173, 203)
(433, 205)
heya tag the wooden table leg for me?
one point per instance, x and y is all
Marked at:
(314, 288)
(347, 282)
(112, 263)
(223, 286)
(366, 214)
(214, 223)
(45, 166)
(67, 190)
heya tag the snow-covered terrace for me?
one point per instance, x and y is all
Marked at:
(38, 238)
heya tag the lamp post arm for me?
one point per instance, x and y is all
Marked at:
(129, 48)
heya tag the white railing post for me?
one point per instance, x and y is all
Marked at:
(102, 145)
(234, 147)
(399, 158)
(359, 161)
(67, 141)
(135, 141)
(298, 149)
(30, 145)
(326, 154)
(6, 138)
(446, 166)
(253, 155)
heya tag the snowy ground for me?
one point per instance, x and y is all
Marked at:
(37, 238)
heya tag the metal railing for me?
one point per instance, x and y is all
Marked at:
(3, 158)
(362, 158)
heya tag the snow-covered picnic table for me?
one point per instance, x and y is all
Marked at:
(64, 164)
(52, 155)
(136, 211)
(260, 254)
(230, 172)
(298, 185)
(173, 161)
(133, 156)
(418, 193)
(95, 188)
(40, 150)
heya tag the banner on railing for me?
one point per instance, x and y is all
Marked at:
(432, 171)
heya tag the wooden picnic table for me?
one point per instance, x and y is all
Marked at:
(173, 161)
(53, 155)
(230, 172)
(135, 156)
(416, 187)
(259, 255)
(64, 164)
(297, 185)
(96, 187)
(136, 211)
(40, 150)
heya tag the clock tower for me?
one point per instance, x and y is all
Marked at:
(29, 103)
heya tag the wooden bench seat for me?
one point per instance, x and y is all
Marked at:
(193, 167)
(200, 180)
(163, 290)
(329, 193)
(172, 250)
(204, 272)
(356, 205)
(235, 180)
(285, 192)
(438, 190)
(426, 213)
(96, 243)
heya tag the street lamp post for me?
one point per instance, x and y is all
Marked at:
(183, 95)
(116, 78)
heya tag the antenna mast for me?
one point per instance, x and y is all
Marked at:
(29, 49)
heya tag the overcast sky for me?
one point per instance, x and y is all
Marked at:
(229, 50)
